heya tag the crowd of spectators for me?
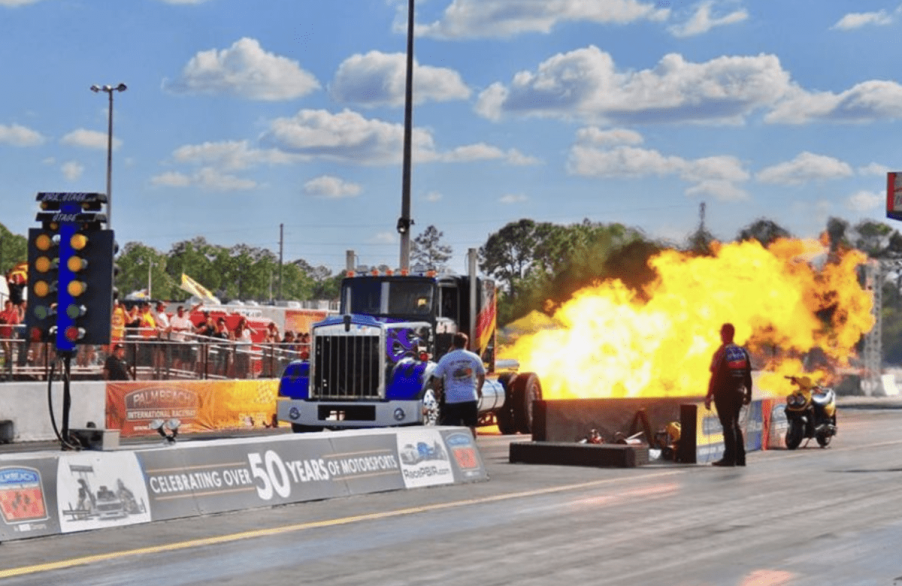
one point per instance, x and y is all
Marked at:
(167, 344)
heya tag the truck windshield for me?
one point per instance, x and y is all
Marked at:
(388, 297)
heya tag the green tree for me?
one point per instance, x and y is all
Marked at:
(13, 250)
(142, 267)
(428, 249)
(509, 253)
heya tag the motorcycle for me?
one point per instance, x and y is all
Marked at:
(810, 412)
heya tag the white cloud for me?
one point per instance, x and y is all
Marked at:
(433, 196)
(379, 79)
(91, 139)
(331, 187)
(171, 179)
(384, 238)
(19, 136)
(228, 155)
(864, 201)
(507, 18)
(15, 3)
(206, 178)
(72, 170)
(512, 198)
(855, 20)
(592, 135)
(864, 102)
(716, 176)
(874, 169)
(485, 152)
(347, 137)
(804, 168)
(244, 70)
(585, 84)
(703, 21)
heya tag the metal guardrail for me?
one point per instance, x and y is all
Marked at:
(196, 358)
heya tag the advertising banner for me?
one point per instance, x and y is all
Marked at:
(708, 434)
(198, 405)
(28, 499)
(80, 491)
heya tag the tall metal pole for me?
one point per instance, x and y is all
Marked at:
(108, 89)
(405, 221)
(109, 165)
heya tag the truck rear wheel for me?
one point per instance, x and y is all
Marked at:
(504, 416)
(527, 390)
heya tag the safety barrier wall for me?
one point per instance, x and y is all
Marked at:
(62, 492)
(130, 406)
(763, 423)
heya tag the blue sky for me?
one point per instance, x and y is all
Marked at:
(241, 116)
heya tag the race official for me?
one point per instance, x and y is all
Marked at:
(460, 375)
(730, 387)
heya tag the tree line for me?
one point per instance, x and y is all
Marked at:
(537, 265)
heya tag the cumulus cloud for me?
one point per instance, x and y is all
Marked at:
(874, 169)
(205, 178)
(586, 84)
(865, 201)
(331, 187)
(512, 198)
(19, 136)
(864, 102)
(91, 139)
(703, 20)
(379, 79)
(716, 176)
(804, 168)
(855, 20)
(615, 136)
(72, 170)
(508, 18)
(348, 137)
(244, 70)
(228, 155)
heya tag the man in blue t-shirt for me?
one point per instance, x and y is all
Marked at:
(460, 375)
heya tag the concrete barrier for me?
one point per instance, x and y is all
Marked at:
(62, 492)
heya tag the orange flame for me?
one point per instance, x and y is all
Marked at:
(609, 342)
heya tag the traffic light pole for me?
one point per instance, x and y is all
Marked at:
(67, 399)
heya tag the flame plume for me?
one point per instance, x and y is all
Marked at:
(786, 301)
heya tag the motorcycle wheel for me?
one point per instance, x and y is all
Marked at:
(794, 434)
(823, 439)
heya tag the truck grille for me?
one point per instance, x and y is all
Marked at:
(346, 367)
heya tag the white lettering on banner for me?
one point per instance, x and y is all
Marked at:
(237, 477)
(368, 464)
(308, 470)
(427, 471)
(191, 481)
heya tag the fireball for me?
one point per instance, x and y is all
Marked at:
(784, 300)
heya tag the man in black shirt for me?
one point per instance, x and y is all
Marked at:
(115, 367)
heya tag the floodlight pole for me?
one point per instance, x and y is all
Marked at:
(405, 221)
(109, 148)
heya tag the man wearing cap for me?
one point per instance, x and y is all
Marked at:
(115, 367)
(730, 387)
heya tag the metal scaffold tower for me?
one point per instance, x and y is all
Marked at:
(871, 383)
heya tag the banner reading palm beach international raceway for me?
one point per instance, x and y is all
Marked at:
(52, 493)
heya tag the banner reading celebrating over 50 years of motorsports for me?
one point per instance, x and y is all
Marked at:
(60, 493)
